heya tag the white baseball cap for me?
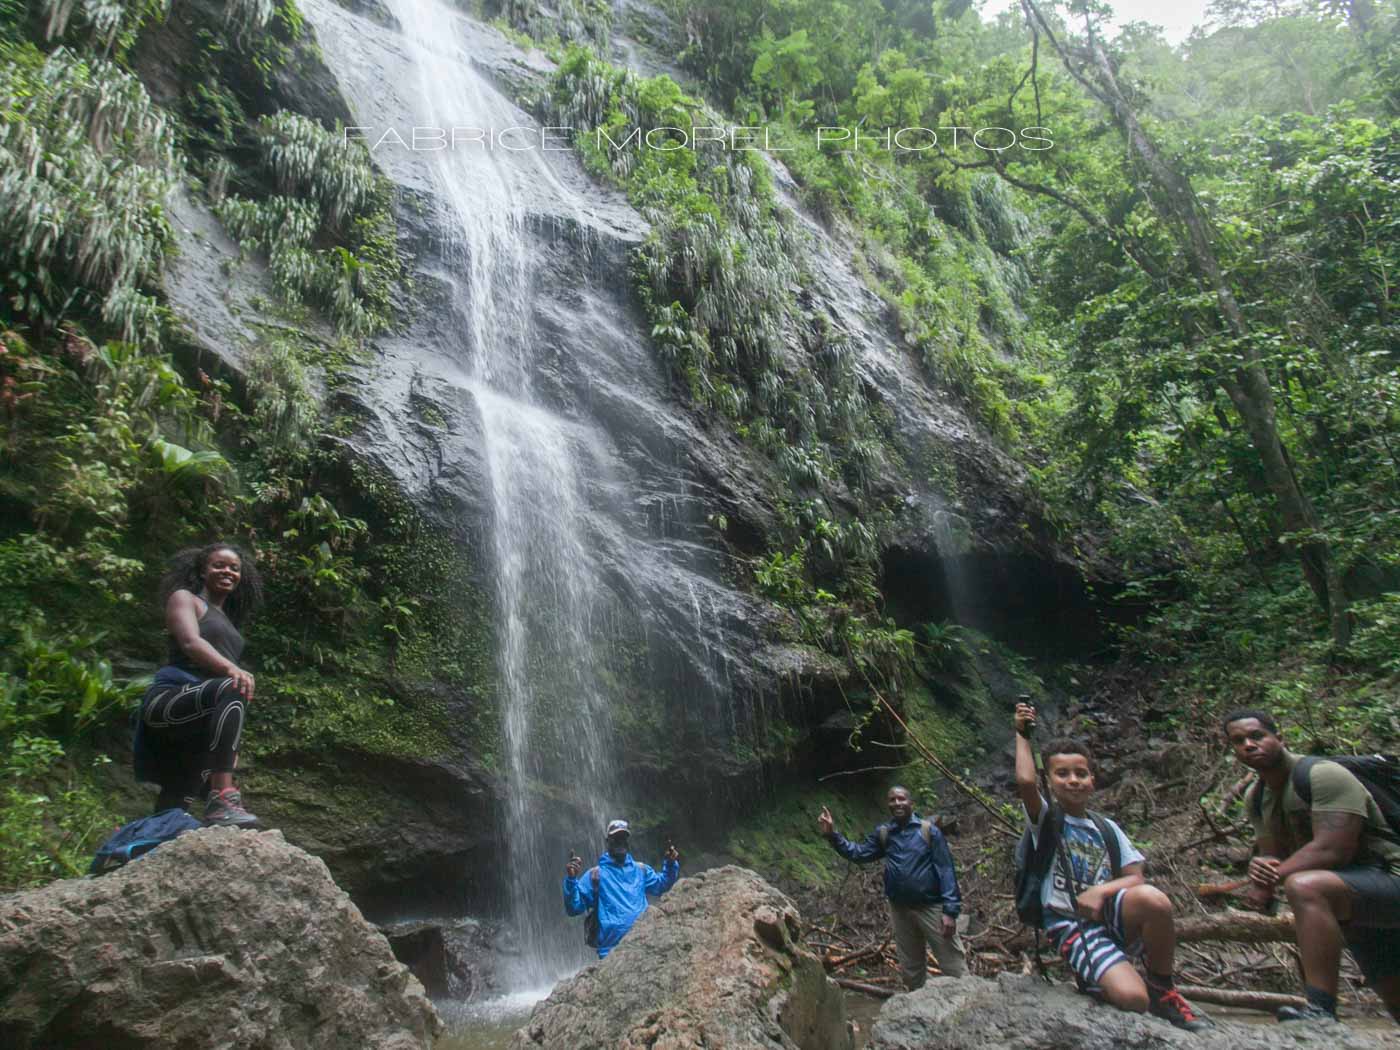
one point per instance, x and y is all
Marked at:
(614, 826)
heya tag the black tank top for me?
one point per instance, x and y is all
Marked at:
(216, 629)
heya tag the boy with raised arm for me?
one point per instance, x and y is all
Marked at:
(1095, 921)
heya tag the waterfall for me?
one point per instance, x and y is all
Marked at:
(952, 541)
(556, 720)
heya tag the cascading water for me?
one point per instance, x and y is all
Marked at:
(950, 536)
(556, 717)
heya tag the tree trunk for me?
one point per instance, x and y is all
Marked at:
(1248, 388)
(1248, 384)
(1239, 926)
(1265, 1001)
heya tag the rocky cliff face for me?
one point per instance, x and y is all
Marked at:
(221, 938)
(692, 655)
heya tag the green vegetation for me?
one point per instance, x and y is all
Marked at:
(112, 455)
(780, 840)
(1181, 316)
(86, 162)
(561, 21)
(348, 633)
(325, 191)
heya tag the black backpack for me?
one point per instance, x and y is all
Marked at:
(1035, 859)
(1379, 775)
(590, 918)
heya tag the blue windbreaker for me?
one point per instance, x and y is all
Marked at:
(915, 875)
(623, 889)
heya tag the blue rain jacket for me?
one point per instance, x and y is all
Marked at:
(915, 875)
(623, 889)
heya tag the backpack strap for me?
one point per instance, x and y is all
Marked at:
(1302, 785)
(1256, 799)
(1111, 846)
(1302, 778)
(925, 833)
(1040, 962)
(1110, 842)
(1042, 857)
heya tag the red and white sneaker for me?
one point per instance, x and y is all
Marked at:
(1171, 1005)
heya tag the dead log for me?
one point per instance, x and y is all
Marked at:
(1220, 889)
(1240, 926)
(868, 989)
(1265, 1001)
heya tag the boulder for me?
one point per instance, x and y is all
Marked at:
(1024, 1013)
(220, 939)
(715, 962)
(452, 957)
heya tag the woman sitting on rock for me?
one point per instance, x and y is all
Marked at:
(192, 715)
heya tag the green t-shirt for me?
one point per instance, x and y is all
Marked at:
(1334, 790)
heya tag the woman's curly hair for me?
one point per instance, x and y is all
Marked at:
(186, 572)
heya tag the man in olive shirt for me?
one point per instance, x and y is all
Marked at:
(1337, 859)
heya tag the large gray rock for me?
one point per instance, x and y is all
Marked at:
(220, 939)
(715, 963)
(1024, 1013)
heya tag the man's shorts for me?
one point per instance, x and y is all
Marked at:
(1373, 934)
(1092, 948)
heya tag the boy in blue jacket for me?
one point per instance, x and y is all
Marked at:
(920, 883)
(617, 887)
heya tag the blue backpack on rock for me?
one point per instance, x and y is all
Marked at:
(140, 837)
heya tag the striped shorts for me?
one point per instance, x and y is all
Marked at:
(1091, 948)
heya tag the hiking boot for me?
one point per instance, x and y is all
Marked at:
(1171, 1005)
(225, 810)
(1308, 1012)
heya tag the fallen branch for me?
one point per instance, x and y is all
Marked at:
(868, 989)
(999, 822)
(870, 951)
(1240, 926)
(856, 772)
(1265, 1001)
(1220, 889)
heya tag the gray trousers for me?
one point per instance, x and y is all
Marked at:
(915, 928)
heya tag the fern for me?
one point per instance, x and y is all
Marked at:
(84, 173)
(108, 25)
(326, 192)
(307, 160)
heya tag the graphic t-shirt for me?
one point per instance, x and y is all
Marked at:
(1088, 856)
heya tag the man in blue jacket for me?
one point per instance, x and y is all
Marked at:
(920, 883)
(617, 887)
